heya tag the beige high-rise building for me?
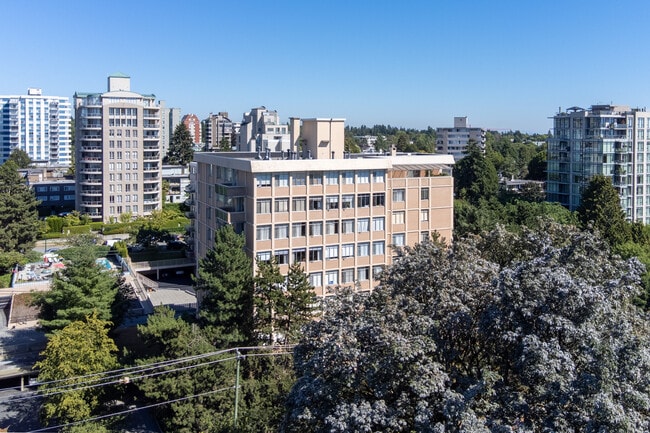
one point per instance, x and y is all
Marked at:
(118, 158)
(335, 213)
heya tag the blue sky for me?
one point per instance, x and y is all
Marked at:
(504, 64)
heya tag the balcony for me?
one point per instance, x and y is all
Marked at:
(91, 137)
(91, 203)
(91, 148)
(89, 170)
(154, 189)
(93, 191)
(151, 179)
(91, 159)
(151, 125)
(150, 167)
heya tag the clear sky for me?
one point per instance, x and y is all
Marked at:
(506, 64)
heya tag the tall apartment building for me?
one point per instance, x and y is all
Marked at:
(217, 128)
(261, 129)
(337, 214)
(118, 159)
(38, 125)
(610, 140)
(170, 118)
(193, 125)
(455, 140)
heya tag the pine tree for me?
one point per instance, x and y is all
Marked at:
(76, 292)
(299, 304)
(475, 176)
(225, 283)
(600, 209)
(180, 146)
(269, 301)
(19, 223)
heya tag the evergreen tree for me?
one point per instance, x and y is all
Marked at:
(300, 303)
(269, 301)
(600, 209)
(81, 348)
(19, 223)
(475, 177)
(80, 289)
(181, 149)
(225, 284)
(20, 157)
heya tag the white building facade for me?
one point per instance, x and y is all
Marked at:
(38, 125)
(261, 129)
(455, 140)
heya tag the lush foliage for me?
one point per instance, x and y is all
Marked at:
(503, 332)
(20, 158)
(83, 347)
(19, 225)
(81, 289)
(181, 149)
(475, 177)
(600, 209)
(225, 285)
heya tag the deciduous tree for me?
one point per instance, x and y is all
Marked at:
(502, 332)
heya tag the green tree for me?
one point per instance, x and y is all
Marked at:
(600, 209)
(300, 303)
(19, 223)
(502, 332)
(165, 337)
(81, 348)
(225, 287)
(269, 301)
(181, 150)
(224, 145)
(20, 158)
(80, 289)
(351, 144)
(474, 176)
(537, 166)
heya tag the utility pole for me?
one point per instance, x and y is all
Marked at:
(239, 358)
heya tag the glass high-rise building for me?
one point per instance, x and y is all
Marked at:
(38, 125)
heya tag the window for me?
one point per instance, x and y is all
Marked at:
(316, 254)
(299, 255)
(264, 256)
(347, 276)
(331, 227)
(399, 239)
(299, 204)
(282, 205)
(316, 228)
(362, 274)
(315, 203)
(263, 233)
(363, 176)
(332, 252)
(399, 195)
(378, 224)
(347, 250)
(264, 205)
(378, 199)
(424, 236)
(363, 225)
(332, 178)
(398, 217)
(332, 202)
(378, 176)
(282, 179)
(281, 231)
(424, 193)
(263, 179)
(299, 179)
(363, 200)
(376, 271)
(347, 201)
(363, 249)
(282, 257)
(298, 230)
(332, 277)
(348, 177)
(378, 248)
(316, 279)
(316, 178)
(347, 226)
(424, 215)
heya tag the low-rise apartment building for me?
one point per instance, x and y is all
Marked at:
(335, 213)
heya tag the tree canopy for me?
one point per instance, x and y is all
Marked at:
(600, 209)
(475, 176)
(19, 225)
(499, 332)
(181, 147)
(20, 158)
